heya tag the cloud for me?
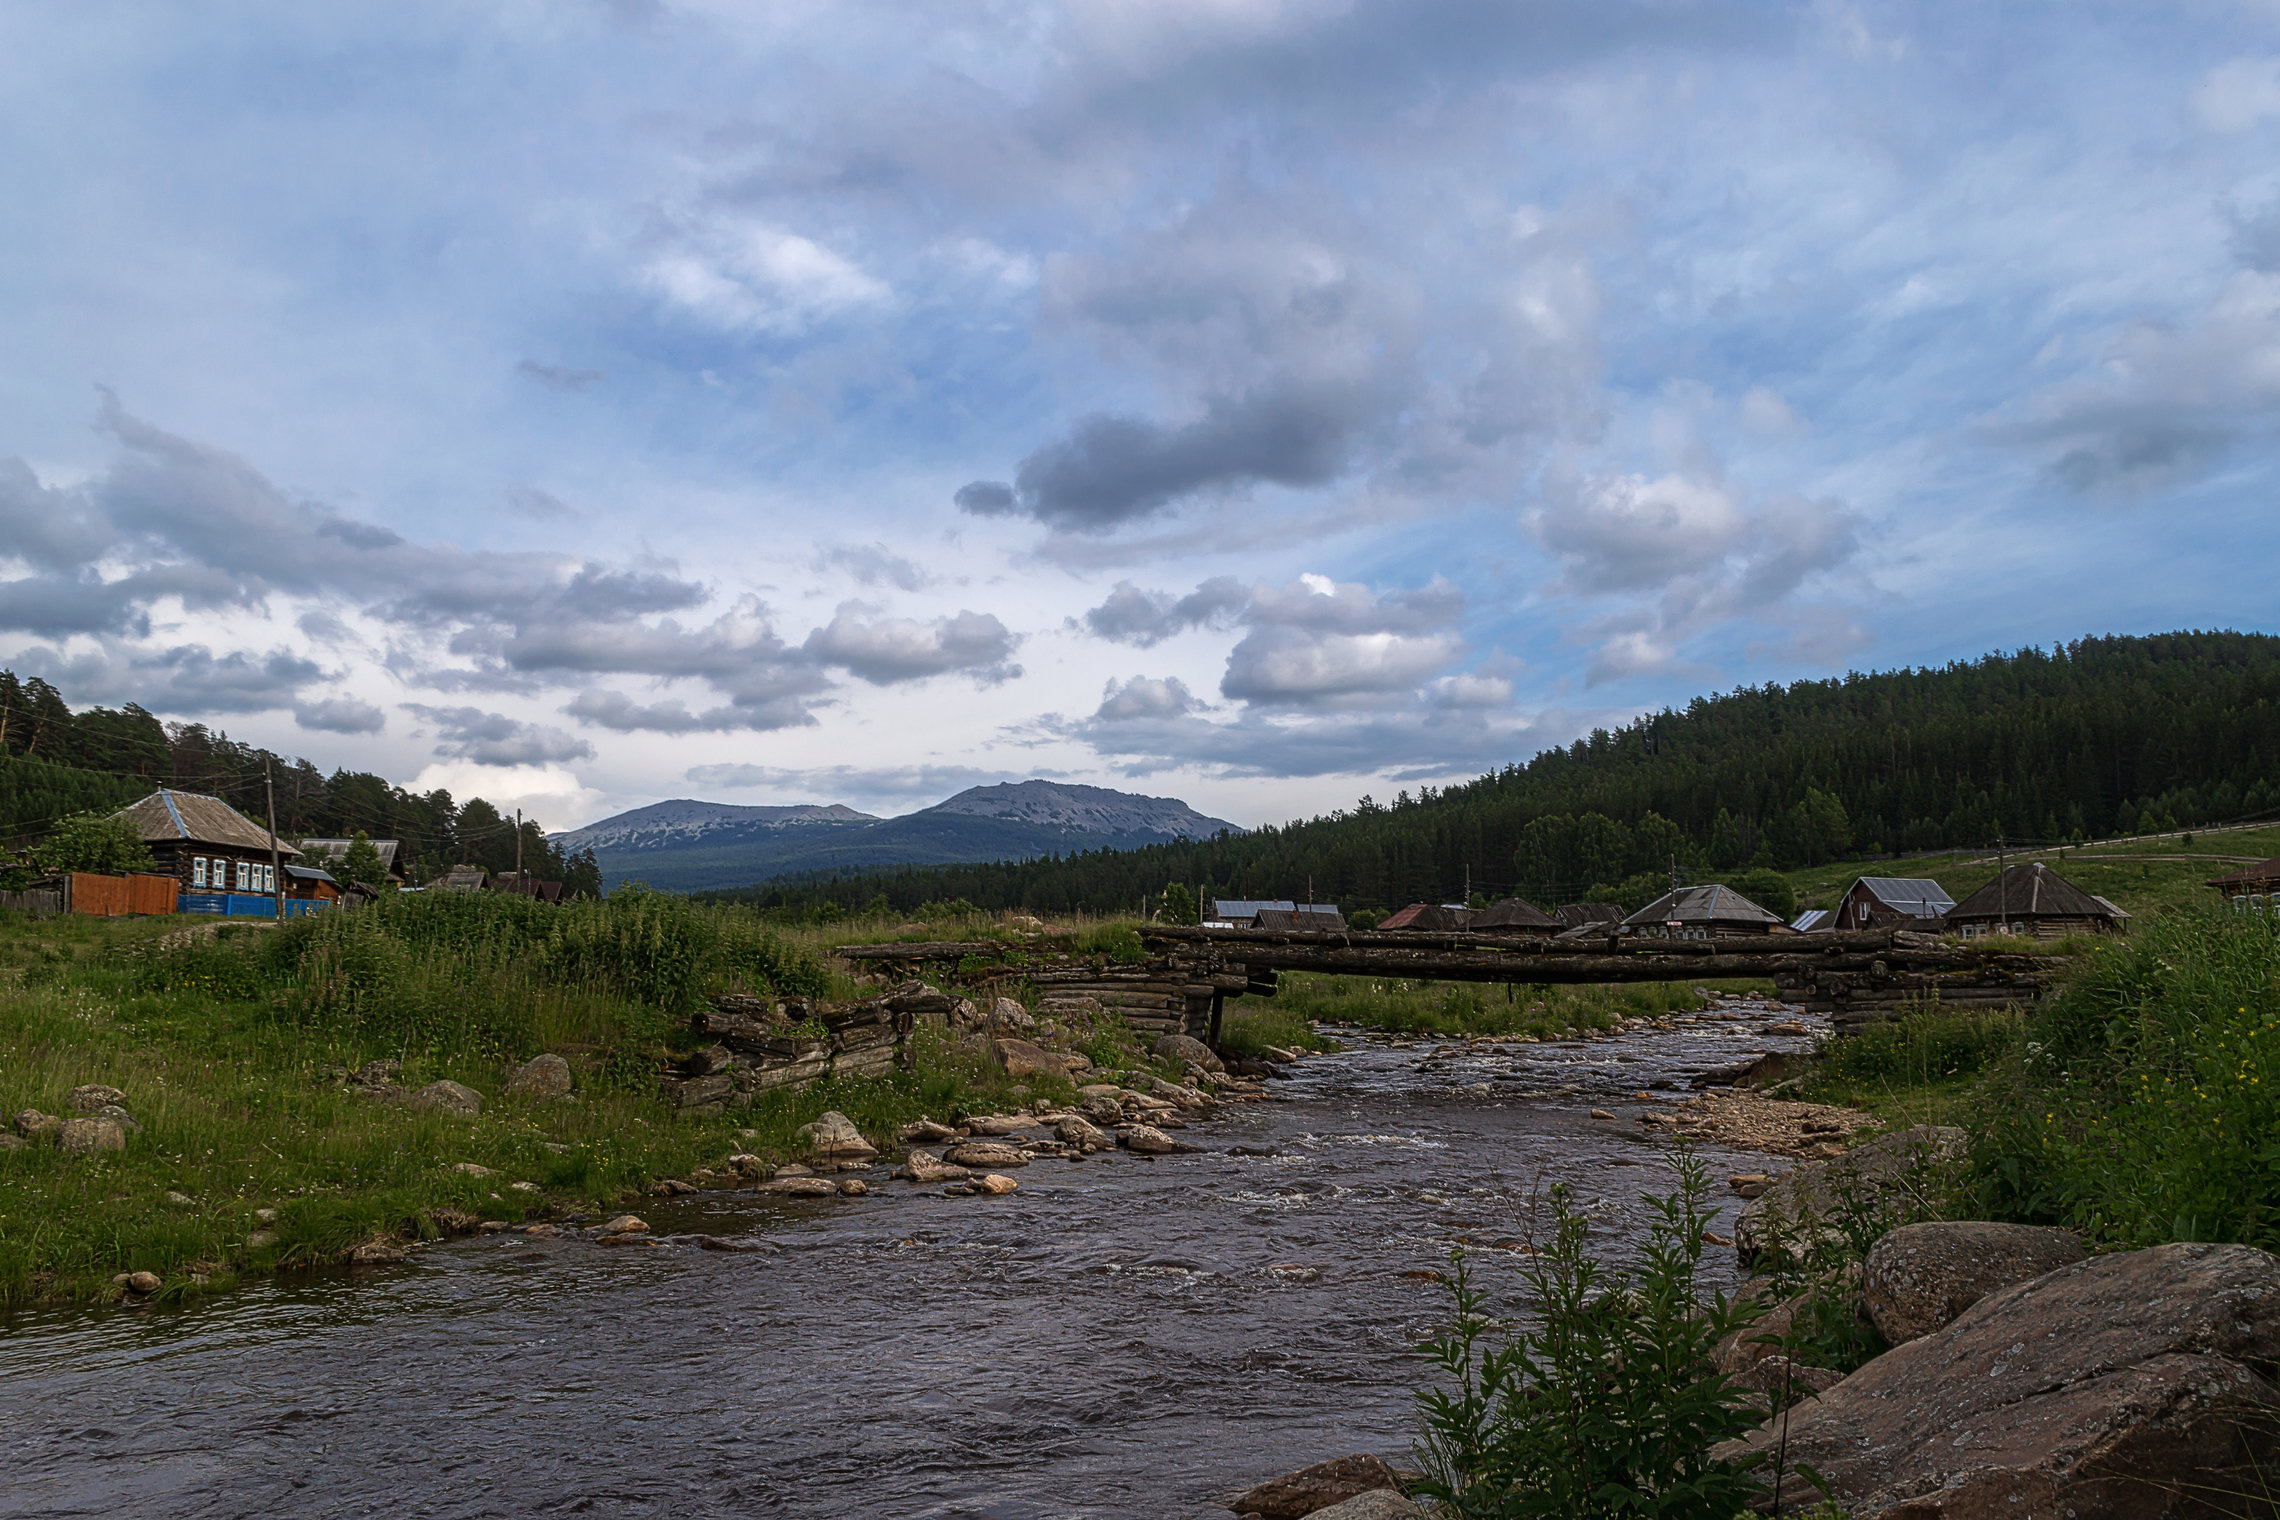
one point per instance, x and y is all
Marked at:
(1146, 697)
(887, 650)
(558, 378)
(747, 275)
(873, 565)
(1292, 667)
(489, 738)
(340, 715)
(1144, 618)
(2237, 95)
(620, 713)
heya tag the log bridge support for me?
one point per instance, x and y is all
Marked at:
(1857, 979)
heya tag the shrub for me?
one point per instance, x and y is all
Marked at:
(1923, 1045)
(2135, 1109)
(1610, 1404)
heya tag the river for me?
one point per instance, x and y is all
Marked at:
(1122, 1338)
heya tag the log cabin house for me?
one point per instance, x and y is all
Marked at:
(2035, 902)
(1439, 918)
(218, 857)
(1700, 912)
(1513, 915)
(1890, 902)
(2252, 889)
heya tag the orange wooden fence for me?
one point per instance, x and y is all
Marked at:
(116, 896)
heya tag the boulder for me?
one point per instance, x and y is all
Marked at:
(34, 1125)
(853, 1187)
(542, 1079)
(88, 1137)
(1377, 1504)
(1000, 1124)
(925, 1131)
(1102, 1110)
(925, 1166)
(991, 1182)
(1019, 1058)
(1312, 1490)
(88, 1097)
(1005, 1013)
(625, 1224)
(800, 1187)
(1147, 1140)
(1108, 1090)
(1921, 1276)
(834, 1137)
(118, 1116)
(1076, 1130)
(2123, 1385)
(1187, 1050)
(980, 1153)
(1887, 1174)
(144, 1282)
(448, 1098)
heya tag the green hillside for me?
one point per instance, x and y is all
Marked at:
(2100, 738)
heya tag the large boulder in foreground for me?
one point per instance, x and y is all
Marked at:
(833, 1137)
(1301, 1493)
(2126, 1385)
(1887, 1175)
(1921, 1276)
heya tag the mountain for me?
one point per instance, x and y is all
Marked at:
(688, 846)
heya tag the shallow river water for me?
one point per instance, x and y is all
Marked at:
(1120, 1338)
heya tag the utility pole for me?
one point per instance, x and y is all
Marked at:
(518, 847)
(2002, 890)
(276, 886)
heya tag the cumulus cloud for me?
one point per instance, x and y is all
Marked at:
(739, 273)
(620, 713)
(340, 715)
(874, 565)
(886, 650)
(489, 738)
(1145, 697)
(1143, 618)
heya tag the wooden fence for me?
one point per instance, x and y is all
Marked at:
(119, 896)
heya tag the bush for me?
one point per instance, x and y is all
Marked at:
(1922, 1046)
(2135, 1109)
(93, 842)
(1610, 1404)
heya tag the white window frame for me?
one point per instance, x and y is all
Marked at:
(197, 870)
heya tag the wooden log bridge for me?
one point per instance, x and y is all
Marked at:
(1856, 978)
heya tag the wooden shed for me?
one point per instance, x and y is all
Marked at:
(1243, 912)
(1437, 917)
(1311, 918)
(1513, 915)
(2032, 900)
(1891, 902)
(1700, 912)
(218, 857)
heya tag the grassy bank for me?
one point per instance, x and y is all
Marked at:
(1466, 1008)
(228, 1041)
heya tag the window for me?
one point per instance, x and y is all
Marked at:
(268, 878)
(197, 870)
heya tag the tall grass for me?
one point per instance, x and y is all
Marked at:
(2136, 1108)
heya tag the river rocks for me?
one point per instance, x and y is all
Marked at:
(1312, 1490)
(143, 1282)
(1188, 1051)
(1921, 1276)
(991, 1182)
(800, 1187)
(925, 1166)
(447, 1097)
(1885, 1174)
(1078, 1131)
(91, 1096)
(1005, 1013)
(1147, 1140)
(1377, 1504)
(523, 1187)
(541, 1079)
(625, 1224)
(2123, 1385)
(853, 1187)
(376, 1253)
(1108, 1090)
(1601, 1113)
(1103, 1110)
(261, 1240)
(672, 1187)
(1019, 1058)
(88, 1137)
(925, 1132)
(834, 1137)
(980, 1153)
(1000, 1124)
(1749, 1184)
(749, 1166)
(1174, 1094)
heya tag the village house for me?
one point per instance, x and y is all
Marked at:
(1309, 918)
(1587, 920)
(328, 852)
(1513, 915)
(1700, 913)
(1888, 902)
(214, 853)
(1242, 913)
(2251, 889)
(2034, 901)
(1439, 918)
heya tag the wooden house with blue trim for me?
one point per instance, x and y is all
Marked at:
(218, 857)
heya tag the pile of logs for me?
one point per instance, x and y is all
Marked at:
(758, 1044)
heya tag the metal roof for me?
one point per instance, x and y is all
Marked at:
(1917, 896)
(1228, 907)
(2032, 891)
(1716, 903)
(1813, 920)
(1512, 913)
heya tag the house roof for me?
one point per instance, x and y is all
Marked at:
(1916, 896)
(1813, 920)
(1583, 915)
(1714, 904)
(1244, 907)
(167, 816)
(1512, 913)
(309, 873)
(1319, 918)
(334, 849)
(2031, 890)
(2262, 873)
(1431, 916)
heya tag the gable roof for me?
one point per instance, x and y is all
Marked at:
(2031, 890)
(2263, 873)
(334, 849)
(1916, 896)
(1584, 915)
(1713, 904)
(1245, 907)
(1427, 916)
(170, 817)
(1317, 918)
(1813, 920)
(1512, 913)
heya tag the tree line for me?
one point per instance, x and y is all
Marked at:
(2099, 737)
(56, 762)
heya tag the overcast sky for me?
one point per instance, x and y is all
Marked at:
(1255, 401)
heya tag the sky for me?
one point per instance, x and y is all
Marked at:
(1260, 402)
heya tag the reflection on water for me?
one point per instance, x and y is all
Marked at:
(1121, 1337)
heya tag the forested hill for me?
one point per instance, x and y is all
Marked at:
(55, 762)
(2104, 736)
